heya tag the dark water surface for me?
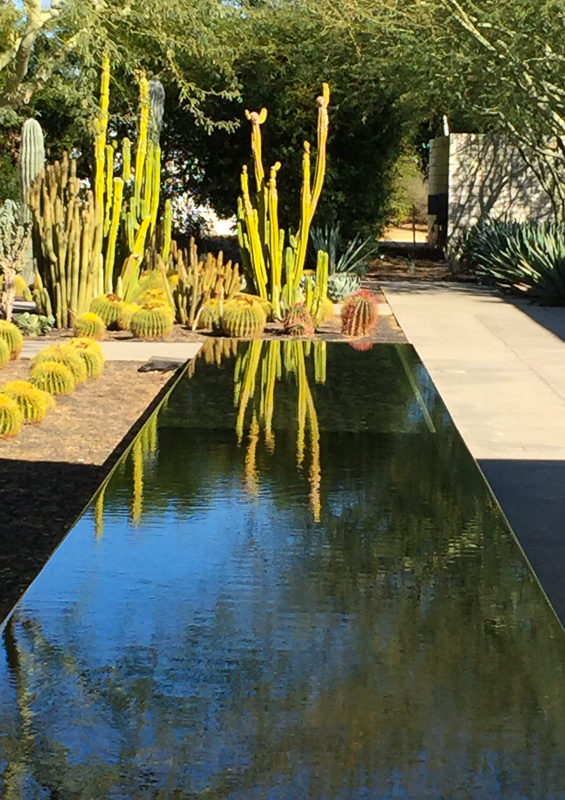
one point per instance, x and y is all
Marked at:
(332, 607)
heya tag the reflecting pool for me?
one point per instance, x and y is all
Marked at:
(296, 585)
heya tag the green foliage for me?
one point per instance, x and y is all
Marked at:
(243, 317)
(53, 377)
(359, 314)
(341, 285)
(344, 257)
(152, 323)
(33, 324)
(89, 325)
(12, 336)
(526, 258)
(32, 402)
(4, 353)
(11, 417)
(64, 355)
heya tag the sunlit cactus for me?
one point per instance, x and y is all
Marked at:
(32, 402)
(64, 355)
(108, 307)
(152, 323)
(359, 314)
(89, 325)
(208, 318)
(12, 336)
(21, 288)
(126, 315)
(327, 311)
(243, 317)
(11, 417)
(4, 353)
(53, 377)
(92, 355)
(298, 321)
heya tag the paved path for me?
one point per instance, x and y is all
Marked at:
(500, 369)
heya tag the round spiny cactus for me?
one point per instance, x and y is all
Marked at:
(32, 402)
(53, 377)
(152, 322)
(359, 314)
(4, 353)
(64, 355)
(108, 307)
(126, 315)
(90, 325)
(10, 417)
(208, 317)
(243, 317)
(362, 345)
(91, 354)
(21, 287)
(12, 336)
(297, 317)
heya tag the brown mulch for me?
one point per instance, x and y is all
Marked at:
(49, 472)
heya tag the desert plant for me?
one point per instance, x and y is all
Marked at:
(14, 238)
(4, 353)
(523, 257)
(342, 284)
(89, 325)
(107, 307)
(359, 314)
(126, 314)
(21, 288)
(33, 324)
(11, 417)
(261, 241)
(208, 318)
(12, 336)
(298, 318)
(327, 311)
(152, 322)
(32, 402)
(32, 161)
(350, 257)
(64, 355)
(53, 377)
(243, 316)
(91, 353)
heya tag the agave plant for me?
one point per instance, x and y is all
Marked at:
(524, 257)
(350, 258)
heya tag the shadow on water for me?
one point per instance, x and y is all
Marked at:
(297, 584)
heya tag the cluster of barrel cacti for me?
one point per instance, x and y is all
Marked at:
(92, 243)
(199, 285)
(359, 314)
(273, 261)
(55, 370)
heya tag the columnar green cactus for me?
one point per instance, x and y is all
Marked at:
(32, 161)
(298, 315)
(90, 326)
(10, 417)
(4, 353)
(152, 323)
(63, 355)
(91, 353)
(12, 336)
(32, 402)
(243, 317)
(156, 110)
(359, 314)
(53, 377)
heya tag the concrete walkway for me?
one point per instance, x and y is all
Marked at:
(500, 369)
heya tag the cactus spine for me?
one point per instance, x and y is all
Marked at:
(4, 353)
(90, 326)
(12, 336)
(152, 323)
(11, 417)
(91, 353)
(298, 321)
(32, 161)
(359, 314)
(63, 355)
(261, 241)
(243, 317)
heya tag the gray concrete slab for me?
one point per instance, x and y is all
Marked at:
(500, 369)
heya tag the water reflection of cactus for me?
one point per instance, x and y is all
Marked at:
(257, 371)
